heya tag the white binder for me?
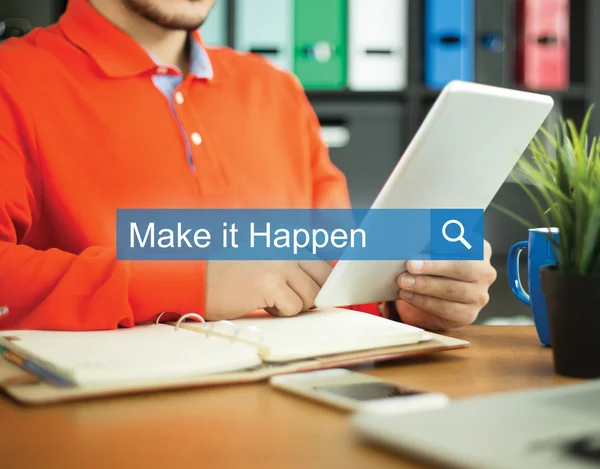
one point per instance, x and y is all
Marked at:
(378, 45)
(266, 27)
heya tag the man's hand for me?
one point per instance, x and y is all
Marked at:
(442, 295)
(282, 288)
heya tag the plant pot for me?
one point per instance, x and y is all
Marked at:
(573, 303)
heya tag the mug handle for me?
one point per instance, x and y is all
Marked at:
(513, 272)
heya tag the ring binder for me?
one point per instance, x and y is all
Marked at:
(210, 329)
(237, 332)
(153, 358)
(182, 318)
(254, 329)
(214, 325)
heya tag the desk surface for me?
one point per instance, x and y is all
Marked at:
(255, 425)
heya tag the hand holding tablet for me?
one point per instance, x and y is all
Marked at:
(463, 152)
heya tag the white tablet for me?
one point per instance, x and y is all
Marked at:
(465, 149)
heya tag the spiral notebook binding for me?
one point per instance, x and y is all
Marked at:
(211, 329)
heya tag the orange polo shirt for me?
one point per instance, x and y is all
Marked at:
(85, 131)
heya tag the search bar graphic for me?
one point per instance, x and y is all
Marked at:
(460, 238)
(300, 234)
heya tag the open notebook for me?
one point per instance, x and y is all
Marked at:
(73, 365)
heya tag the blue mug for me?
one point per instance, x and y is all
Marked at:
(539, 253)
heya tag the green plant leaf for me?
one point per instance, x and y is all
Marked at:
(518, 218)
(563, 176)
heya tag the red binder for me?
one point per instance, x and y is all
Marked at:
(543, 44)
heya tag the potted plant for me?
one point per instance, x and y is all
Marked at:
(566, 176)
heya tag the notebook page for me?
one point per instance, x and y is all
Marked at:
(146, 353)
(322, 332)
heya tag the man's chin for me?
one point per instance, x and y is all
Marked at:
(179, 25)
(177, 18)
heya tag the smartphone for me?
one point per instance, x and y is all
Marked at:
(357, 392)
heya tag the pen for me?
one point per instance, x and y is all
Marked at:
(34, 369)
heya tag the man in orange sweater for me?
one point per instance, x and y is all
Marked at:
(120, 105)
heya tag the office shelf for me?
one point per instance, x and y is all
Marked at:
(346, 95)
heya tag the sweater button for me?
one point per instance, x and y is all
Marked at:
(196, 138)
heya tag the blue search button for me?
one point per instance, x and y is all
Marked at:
(457, 233)
(461, 235)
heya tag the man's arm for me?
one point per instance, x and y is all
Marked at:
(58, 290)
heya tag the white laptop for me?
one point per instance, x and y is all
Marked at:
(464, 151)
(540, 429)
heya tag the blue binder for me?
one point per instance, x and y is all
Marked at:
(449, 41)
(214, 29)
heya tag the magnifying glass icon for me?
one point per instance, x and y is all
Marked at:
(460, 237)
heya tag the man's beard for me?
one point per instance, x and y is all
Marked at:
(146, 9)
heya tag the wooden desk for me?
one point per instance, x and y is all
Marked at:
(254, 425)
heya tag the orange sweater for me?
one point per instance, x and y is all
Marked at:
(84, 131)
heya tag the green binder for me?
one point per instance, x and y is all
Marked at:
(320, 43)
